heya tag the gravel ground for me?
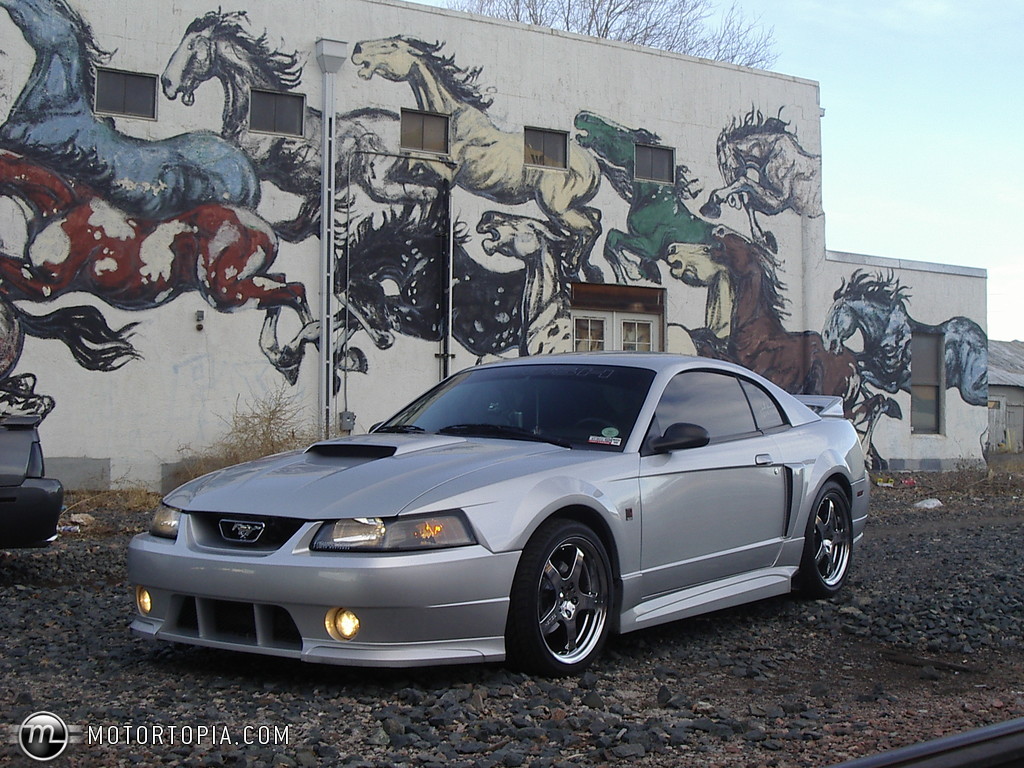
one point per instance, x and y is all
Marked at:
(927, 640)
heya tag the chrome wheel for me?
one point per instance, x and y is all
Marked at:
(558, 618)
(572, 601)
(831, 542)
(828, 544)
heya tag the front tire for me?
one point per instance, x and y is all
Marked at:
(828, 544)
(560, 601)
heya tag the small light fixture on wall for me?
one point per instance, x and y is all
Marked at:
(200, 316)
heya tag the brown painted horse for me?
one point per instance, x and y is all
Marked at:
(79, 242)
(797, 361)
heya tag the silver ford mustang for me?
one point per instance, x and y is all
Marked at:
(521, 510)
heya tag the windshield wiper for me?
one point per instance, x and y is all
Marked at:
(501, 430)
(401, 429)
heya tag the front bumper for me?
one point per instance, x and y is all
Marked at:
(441, 607)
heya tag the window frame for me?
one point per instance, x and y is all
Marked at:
(153, 80)
(283, 95)
(546, 133)
(656, 428)
(933, 381)
(651, 177)
(422, 115)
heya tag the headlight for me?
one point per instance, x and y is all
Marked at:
(447, 529)
(165, 522)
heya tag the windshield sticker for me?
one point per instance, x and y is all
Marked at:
(602, 440)
(609, 432)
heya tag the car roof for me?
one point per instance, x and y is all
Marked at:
(655, 361)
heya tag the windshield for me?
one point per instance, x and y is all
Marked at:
(588, 406)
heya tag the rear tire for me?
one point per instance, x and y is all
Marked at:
(828, 544)
(560, 602)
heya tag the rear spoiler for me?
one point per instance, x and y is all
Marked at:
(824, 405)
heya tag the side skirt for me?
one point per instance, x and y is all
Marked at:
(725, 593)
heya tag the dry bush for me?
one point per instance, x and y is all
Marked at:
(120, 498)
(267, 424)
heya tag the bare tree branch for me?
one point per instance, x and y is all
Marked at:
(683, 26)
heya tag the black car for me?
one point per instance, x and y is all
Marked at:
(30, 503)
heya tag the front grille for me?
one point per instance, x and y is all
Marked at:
(255, 624)
(209, 530)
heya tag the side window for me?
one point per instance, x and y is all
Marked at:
(766, 411)
(125, 93)
(424, 131)
(715, 401)
(272, 112)
(547, 148)
(654, 163)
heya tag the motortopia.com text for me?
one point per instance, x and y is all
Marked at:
(186, 735)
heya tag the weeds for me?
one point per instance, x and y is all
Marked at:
(270, 424)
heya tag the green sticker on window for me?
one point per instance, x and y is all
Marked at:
(609, 432)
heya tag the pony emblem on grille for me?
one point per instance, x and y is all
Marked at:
(241, 531)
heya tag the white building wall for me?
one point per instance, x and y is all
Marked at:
(131, 423)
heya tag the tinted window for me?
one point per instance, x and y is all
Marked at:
(926, 356)
(766, 410)
(276, 112)
(714, 401)
(587, 405)
(125, 93)
(654, 163)
(545, 147)
(424, 130)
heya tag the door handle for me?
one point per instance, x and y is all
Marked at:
(763, 459)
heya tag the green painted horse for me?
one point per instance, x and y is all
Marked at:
(658, 216)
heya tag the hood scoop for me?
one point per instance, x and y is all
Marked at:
(352, 450)
(381, 446)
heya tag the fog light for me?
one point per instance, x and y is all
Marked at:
(143, 600)
(341, 624)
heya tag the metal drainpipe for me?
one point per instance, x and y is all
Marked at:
(330, 55)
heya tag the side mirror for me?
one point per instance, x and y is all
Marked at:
(679, 437)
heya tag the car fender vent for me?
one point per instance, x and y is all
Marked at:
(352, 450)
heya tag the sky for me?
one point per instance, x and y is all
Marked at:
(923, 133)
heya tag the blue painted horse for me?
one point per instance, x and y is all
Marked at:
(876, 305)
(52, 122)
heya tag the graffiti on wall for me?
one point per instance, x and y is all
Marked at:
(137, 222)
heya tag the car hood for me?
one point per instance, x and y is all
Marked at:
(377, 475)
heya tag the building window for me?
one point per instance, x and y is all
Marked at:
(547, 148)
(655, 163)
(616, 317)
(926, 386)
(125, 93)
(424, 131)
(273, 112)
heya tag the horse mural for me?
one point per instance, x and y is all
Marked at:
(797, 361)
(544, 307)
(488, 161)
(83, 330)
(217, 46)
(392, 281)
(658, 216)
(395, 283)
(876, 306)
(52, 122)
(78, 241)
(765, 171)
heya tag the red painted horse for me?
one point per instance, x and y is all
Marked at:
(798, 361)
(79, 242)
